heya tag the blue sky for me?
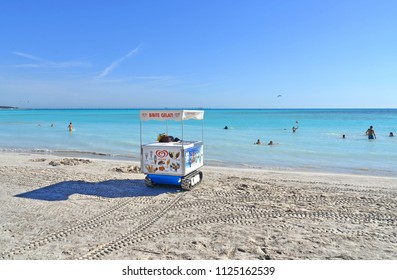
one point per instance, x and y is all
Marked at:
(212, 54)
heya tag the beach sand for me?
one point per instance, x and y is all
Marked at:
(53, 208)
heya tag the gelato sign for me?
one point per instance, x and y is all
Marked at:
(166, 115)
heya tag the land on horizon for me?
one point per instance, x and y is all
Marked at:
(8, 107)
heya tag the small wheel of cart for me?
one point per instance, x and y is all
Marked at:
(148, 182)
(192, 180)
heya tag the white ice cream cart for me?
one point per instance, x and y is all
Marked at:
(174, 162)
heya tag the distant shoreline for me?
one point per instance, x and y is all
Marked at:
(8, 107)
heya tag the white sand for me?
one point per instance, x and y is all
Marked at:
(91, 211)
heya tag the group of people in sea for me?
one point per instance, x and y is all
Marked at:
(258, 142)
(70, 126)
(370, 133)
(294, 129)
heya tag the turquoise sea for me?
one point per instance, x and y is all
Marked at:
(316, 146)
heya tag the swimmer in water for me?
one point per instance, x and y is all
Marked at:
(371, 133)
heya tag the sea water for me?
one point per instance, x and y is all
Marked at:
(317, 144)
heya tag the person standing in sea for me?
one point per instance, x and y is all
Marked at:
(371, 133)
(70, 126)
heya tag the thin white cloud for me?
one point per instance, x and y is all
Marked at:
(29, 56)
(116, 63)
(46, 63)
(70, 64)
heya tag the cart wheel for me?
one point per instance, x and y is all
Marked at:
(148, 182)
(186, 185)
(189, 182)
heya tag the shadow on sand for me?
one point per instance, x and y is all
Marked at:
(106, 189)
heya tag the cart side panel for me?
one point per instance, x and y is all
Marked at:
(163, 160)
(194, 158)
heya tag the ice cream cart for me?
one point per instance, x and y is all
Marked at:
(172, 162)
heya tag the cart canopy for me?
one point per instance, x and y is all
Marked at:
(174, 115)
